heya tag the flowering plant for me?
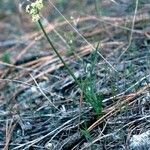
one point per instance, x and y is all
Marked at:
(34, 8)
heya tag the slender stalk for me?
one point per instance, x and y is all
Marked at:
(57, 53)
(89, 98)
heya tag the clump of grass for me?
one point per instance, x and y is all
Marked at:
(86, 134)
(88, 85)
(6, 57)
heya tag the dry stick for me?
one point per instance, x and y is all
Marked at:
(132, 28)
(115, 109)
(28, 85)
(9, 129)
(14, 66)
(42, 92)
(80, 109)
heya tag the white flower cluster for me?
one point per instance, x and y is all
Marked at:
(34, 8)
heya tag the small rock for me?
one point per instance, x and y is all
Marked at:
(140, 142)
(49, 146)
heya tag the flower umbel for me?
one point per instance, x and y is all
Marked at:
(34, 8)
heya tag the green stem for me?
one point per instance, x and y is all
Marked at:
(55, 50)
(64, 63)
